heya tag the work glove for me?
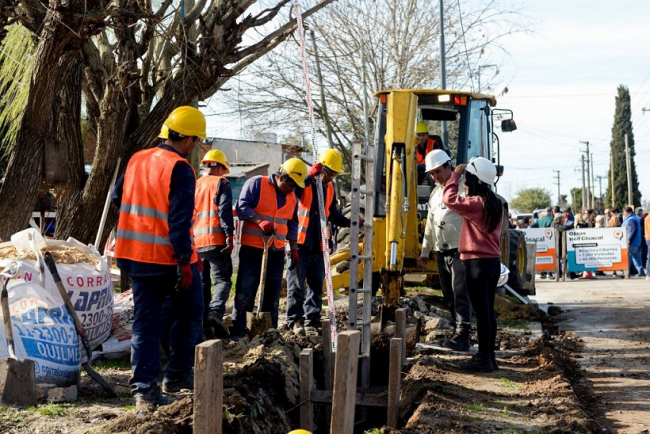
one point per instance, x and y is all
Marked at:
(294, 260)
(266, 226)
(184, 277)
(315, 170)
(229, 245)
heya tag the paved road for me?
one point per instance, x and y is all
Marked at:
(612, 316)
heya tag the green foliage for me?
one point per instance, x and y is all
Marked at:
(622, 125)
(16, 64)
(257, 410)
(476, 407)
(53, 410)
(576, 199)
(507, 383)
(530, 199)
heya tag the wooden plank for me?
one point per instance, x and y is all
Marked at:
(306, 386)
(345, 382)
(400, 329)
(394, 381)
(327, 352)
(378, 399)
(208, 388)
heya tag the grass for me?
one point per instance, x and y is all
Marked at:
(7, 415)
(128, 407)
(105, 364)
(372, 431)
(514, 323)
(52, 410)
(476, 407)
(509, 384)
(505, 412)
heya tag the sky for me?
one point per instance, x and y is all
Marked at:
(562, 79)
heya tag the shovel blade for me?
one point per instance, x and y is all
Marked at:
(17, 382)
(258, 323)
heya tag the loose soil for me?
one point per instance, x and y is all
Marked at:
(538, 388)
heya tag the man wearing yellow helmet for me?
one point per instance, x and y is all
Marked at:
(310, 265)
(425, 144)
(268, 208)
(213, 235)
(154, 246)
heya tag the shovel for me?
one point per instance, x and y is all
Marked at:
(260, 322)
(17, 377)
(49, 261)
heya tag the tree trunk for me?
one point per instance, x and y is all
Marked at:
(26, 169)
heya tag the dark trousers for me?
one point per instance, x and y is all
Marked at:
(311, 268)
(164, 316)
(454, 288)
(217, 268)
(482, 278)
(248, 280)
(647, 267)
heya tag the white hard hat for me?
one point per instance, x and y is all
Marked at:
(483, 169)
(435, 159)
(503, 277)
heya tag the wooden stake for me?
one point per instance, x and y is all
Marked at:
(306, 385)
(327, 352)
(345, 382)
(394, 381)
(208, 388)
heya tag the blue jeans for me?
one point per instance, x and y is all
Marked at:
(163, 316)
(219, 270)
(248, 280)
(634, 254)
(311, 268)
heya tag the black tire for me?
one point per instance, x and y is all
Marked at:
(517, 260)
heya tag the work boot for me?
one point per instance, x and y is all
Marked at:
(493, 359)
(459, 342)
(298, 329)
(150, 399)
(215, 328)
(175, 386)
(477, 363)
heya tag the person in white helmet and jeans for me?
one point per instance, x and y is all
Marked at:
(480, 250)
(442, 234)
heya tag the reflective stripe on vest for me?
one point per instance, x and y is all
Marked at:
(431, 145)
(267, 209)
(304, 205)
(207, 226)
(143, 230)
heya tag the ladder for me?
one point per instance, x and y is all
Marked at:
(362, 162)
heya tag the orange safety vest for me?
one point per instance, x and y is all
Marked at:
(431, 145)
(143, 229)
(207, 226)
(304, 207)
(267, 209)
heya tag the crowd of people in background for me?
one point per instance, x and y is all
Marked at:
(635, 222)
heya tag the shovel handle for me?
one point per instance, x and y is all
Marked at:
(49, 261)
(4, 299)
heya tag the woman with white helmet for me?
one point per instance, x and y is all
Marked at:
(480, 249)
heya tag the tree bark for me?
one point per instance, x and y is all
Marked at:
(26, 169)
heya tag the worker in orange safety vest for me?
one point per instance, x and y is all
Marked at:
(154, 246)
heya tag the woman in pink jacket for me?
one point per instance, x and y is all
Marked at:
(480, 250)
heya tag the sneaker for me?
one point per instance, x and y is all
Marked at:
(175, 386)
(150, 399)
(215, 328)
(477, 363)
(298, 329)
(459, 342)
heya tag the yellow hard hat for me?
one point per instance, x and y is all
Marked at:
(187, 121)
(332, 159)
(216, 156)
(164, 132)
(300, 431)
(421, 128)
(296, 169)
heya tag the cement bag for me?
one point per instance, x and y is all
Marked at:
(84, 272)
(118, 343)
(43, 330)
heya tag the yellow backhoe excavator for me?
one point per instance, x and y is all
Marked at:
(401, 203)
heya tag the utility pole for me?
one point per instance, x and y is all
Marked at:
(593, 183)
(589, 204)
(583, 183)
(611, 173)
(443, 73)
(557, 181)
(600, 187)
(628, 164)
(323, 103)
